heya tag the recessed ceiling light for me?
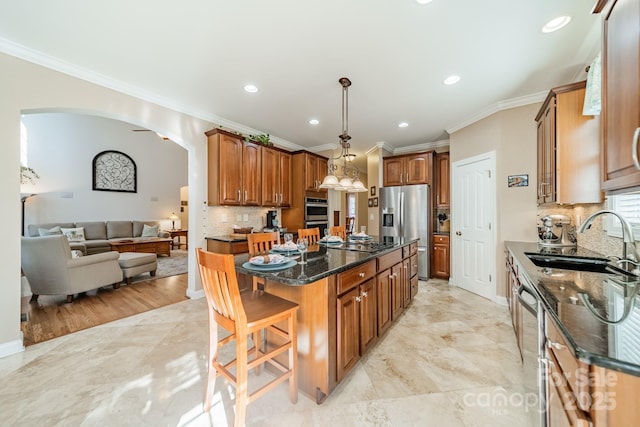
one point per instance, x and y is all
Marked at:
(250, 88)
(423, 1)
(314, 122)
(451, 80)
(556, 23)
(403, 125)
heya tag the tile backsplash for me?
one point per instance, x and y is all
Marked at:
(219, 220)
(596, 238)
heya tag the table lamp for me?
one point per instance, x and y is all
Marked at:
(173, 217)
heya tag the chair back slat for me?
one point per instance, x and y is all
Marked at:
(338, 230)
(220, 284)
(349, 224)
(311, 234)
(261, 243)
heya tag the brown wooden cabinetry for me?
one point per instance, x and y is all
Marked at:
(408, 169)
(356, 315)
(234, 170)
(441, 257)
(314, 172)
(276, 178)
(442, 187)
(620, 93)
(568, 148)
(384, 283)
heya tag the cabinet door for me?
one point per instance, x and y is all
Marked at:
(368, 315)
(393, 171)
(620, 93)
(418, 168)
(348, 325)
(285, 179)
(406, 281)
(251, 174)
(270, 181)
(547, 176)
(540, 164)
(322, 165)
(441, 258)
(384, 301)
(397, 291)
(230, 170)
(310, 168)
(443, 184)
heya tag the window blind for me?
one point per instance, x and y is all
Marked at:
(627, 205)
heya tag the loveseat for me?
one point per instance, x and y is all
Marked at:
(92, 237)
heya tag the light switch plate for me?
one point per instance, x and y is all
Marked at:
(245, 217)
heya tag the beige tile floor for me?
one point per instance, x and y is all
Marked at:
(450, 360)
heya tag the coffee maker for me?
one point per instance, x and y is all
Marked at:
(272, 222)
(556, 230)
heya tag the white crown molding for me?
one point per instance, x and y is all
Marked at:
(422, 147)
(323, 147)
(496, 107)
(381, 145)
(34, 56)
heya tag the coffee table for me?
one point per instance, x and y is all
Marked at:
(152, 245)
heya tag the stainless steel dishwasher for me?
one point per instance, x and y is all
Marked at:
(532, 324)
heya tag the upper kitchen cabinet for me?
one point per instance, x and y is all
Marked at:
(442, 185)
(276, 178)
(620, 93)
(315, 170)
(408, 169)
(568, 148)
(234, 170)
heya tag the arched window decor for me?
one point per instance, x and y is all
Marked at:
(114, 171)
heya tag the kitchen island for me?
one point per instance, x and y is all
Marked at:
(349, 295)
(591, 327)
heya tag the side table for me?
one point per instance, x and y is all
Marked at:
(178, 243)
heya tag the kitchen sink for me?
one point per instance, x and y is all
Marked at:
(580, 263)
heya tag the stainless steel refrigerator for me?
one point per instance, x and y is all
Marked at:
(404, 212)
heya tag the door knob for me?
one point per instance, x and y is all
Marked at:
(458, 233)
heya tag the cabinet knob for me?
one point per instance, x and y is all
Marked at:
(361, 274)
(358, 299)
(365, 294)
(555, 345)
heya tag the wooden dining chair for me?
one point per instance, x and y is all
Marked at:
(311, 234)
(349, 224)
(244, 315)
(261, 243)
(338, 230)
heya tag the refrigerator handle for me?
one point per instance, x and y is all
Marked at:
(401, 217)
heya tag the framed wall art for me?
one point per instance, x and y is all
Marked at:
(518, 180)
(114, 171)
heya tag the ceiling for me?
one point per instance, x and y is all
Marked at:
(196, 55)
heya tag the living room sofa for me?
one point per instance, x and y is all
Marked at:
(97, 234)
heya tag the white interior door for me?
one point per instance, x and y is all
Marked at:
(473, 225)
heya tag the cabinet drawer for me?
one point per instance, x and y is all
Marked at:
(409, 250)
(389, 260)
(563, 405)
(355, 276)
(573, 370)
(443, 240)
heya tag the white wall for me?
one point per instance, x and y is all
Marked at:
(61, 148)
(28, 88)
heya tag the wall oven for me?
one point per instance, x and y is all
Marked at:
(316, 213)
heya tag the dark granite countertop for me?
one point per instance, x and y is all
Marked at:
(323, 261)
(225, 238)
(596, 337)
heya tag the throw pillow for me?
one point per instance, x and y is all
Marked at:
(76, 254)
(74, 234)
(50, 232)
(148, 231)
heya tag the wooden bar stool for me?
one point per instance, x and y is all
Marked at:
(244, 315)
(261, 243)
(311, 234)
(338, 230)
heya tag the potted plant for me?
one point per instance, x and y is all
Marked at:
(260, 139)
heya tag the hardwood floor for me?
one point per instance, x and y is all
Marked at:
(52, 317)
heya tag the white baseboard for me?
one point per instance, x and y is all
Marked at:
(501, 300)
(195, 294)
(11, 347)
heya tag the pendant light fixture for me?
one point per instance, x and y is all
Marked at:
(350, 180)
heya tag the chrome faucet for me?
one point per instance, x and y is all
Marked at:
(627, 235)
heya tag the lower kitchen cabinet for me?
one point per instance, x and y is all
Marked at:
(356, 319)
(441, 257)
(397, 290)
(384, 283)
